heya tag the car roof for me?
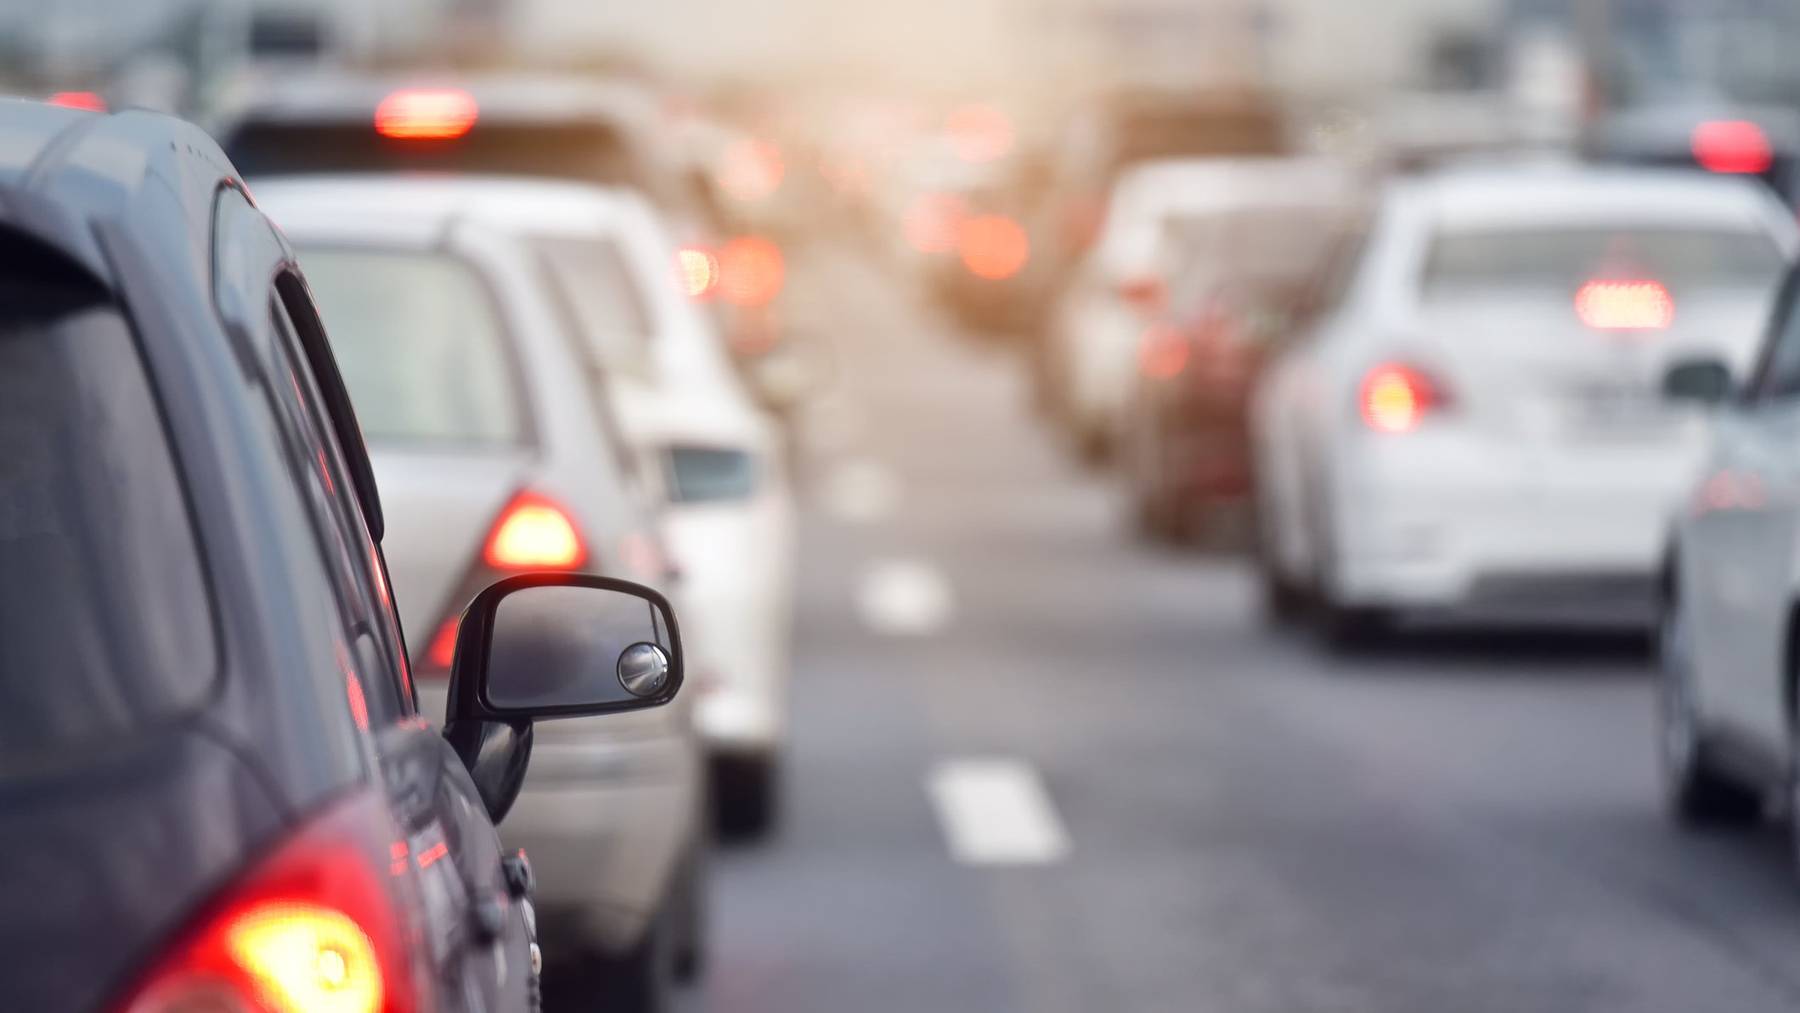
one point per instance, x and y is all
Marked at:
(1536, 195)
(319, 96)
(418, 209)
(1200, 183)
(65, 172)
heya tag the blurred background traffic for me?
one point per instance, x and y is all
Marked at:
(1172, 504)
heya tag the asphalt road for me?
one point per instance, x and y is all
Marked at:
(1235, 819)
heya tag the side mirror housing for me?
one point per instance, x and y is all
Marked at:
(552, 645)
(1702, 381)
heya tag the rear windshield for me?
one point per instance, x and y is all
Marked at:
(584, 151)
(1562, 260)
(105, 624)
(420, 344)
(608, 309)
(1257, 246)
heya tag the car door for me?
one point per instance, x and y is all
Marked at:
(472, 935)
(1745, 546)
(475, 935)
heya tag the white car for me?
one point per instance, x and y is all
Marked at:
(1730, 616)
(1472, 422)
(495, 448)
(715, 458)
(1098, 325)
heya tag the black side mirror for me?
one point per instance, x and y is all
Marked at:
(552, 645)
(1702, 381)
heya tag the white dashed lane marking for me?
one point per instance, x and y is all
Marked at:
(904, 598)
(860, 491)
(996, 812)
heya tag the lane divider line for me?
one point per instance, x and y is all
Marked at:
(996, 811)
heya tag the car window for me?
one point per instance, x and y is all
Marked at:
(1559, 261)
(609, 309)
(105, 621)
(710, 474)
(420, 344)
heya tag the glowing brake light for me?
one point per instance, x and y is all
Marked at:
(534, 533)
(1607, 305)
(91, 101)
(426, 114)
(311, 929)
(1396, 398)
(1163, 353)
(1733, 146)
(751, 271)
(993, 247)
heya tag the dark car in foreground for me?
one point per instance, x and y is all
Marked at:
(218, 792)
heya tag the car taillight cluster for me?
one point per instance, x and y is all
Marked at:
(1396, 398)
(1625, 305)
(310, 929)
(748, 272)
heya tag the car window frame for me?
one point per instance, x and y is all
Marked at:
(363, 553)
(1783, 319)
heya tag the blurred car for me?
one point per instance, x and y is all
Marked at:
(225, 798)
(715, 461)
(1471, 425)
(638, 301)
(1066, 188)
(552, 126)
(493, 439)
(1239, 276)
(1120, 287)
(1729, 629)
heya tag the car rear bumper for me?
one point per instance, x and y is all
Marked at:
(1484, 534)
(602, 848)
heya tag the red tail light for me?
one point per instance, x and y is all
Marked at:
(993, 247)
(1733, 146)
(426, 114)
(1625, 305)
(1396, 398)
(91, 101)
(534, 533)
(1163, 353)
(751, 271)
(442, 650)
(311, 929)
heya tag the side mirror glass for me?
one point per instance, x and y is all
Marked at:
(556, 645)
(1702, 381)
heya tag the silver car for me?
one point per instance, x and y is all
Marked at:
(496, 451)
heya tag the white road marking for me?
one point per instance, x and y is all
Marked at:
(860, 491)
(996, 812)
(904, 598)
